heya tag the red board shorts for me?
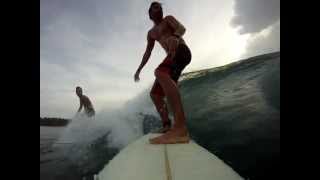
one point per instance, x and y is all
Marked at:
(173, 67)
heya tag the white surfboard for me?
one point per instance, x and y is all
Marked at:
(141, 160)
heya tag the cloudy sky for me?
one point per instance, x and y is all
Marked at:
(98, 44)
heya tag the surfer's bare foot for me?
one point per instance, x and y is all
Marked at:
(173, 136)
(163, 130)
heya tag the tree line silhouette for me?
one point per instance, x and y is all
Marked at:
(51, 121)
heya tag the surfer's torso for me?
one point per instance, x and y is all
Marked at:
(86, 103)
(163, 32)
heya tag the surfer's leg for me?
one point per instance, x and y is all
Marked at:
(171, 91)
(167, 75)
(179, 132)
(90, 112)
(157, 97)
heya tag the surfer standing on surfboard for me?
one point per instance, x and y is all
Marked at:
(168, 32)
(85, 102)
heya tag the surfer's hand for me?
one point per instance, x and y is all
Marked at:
(136, 76)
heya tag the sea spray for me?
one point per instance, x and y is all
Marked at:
(94, 141)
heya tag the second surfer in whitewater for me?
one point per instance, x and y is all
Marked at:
(85, 102)
(168, 32)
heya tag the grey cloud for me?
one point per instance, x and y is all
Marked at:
(89, 16)
(75, 31)
(261, 44)
(252, 16)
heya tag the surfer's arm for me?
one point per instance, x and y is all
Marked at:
(178, 28)
(147, 52)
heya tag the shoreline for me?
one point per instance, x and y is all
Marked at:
(54, 122)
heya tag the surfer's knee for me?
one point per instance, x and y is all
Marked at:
(155, 97)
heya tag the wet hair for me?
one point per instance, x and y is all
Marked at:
(152, 4)
(78, 88)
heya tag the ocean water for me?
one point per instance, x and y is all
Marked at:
(233, 111)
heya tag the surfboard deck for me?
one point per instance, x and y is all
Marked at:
(141, 160)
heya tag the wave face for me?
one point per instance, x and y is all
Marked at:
(234, 112)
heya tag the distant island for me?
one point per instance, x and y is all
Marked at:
(46, 121)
